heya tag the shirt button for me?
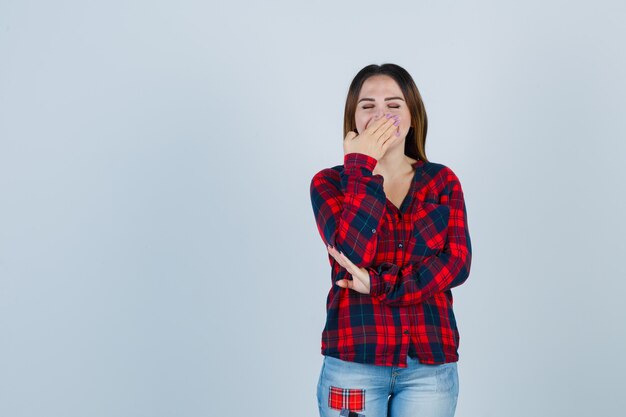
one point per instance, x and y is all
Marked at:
(373, 230)
(406, 332)
(399, 245)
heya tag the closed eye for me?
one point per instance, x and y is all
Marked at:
(369, 107)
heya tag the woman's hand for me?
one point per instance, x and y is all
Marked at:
(361, 277)
(375, 139)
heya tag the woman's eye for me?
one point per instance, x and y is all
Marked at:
(391, 107)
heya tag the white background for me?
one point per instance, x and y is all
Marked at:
(158, 251)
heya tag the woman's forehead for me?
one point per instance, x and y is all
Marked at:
(380, 86)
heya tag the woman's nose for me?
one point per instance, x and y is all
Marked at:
(379, 114)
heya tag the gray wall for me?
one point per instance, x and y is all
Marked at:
(158, 251)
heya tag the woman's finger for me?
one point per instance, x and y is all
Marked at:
(352, 269)
(389, 141)
(333, 252)
(374, 123)
(344, 283)
(348, 264)
(379, 134)
(363, 278)
(354, 285)
(379, 124)
(386, 130)
(344, 261)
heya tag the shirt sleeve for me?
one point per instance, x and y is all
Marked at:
(349, 207)
(416, 282)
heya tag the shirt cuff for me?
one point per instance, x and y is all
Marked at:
(376, 283)
(359, 160)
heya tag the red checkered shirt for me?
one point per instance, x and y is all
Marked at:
(414, 256)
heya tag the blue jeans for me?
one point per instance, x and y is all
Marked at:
(354, 389)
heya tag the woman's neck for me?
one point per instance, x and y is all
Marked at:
(394, 165)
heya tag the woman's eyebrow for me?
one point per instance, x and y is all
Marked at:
(387, 99)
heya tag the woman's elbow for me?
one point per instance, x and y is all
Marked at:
(464, 270)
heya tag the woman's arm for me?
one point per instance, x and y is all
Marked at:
(416, 282)
(349, 208)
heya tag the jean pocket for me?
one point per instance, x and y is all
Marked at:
(447, 377)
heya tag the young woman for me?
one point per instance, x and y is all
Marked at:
(395, 228)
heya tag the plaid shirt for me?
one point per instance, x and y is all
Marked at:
(414, 256)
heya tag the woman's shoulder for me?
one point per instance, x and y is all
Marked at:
(438, 177)
(327, 176)
(437, 168)
(329, 172)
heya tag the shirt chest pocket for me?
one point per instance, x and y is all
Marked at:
(430, 229)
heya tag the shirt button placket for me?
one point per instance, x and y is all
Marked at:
(400, 252)
(405, 343)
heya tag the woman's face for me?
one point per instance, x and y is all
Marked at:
(379, 95)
